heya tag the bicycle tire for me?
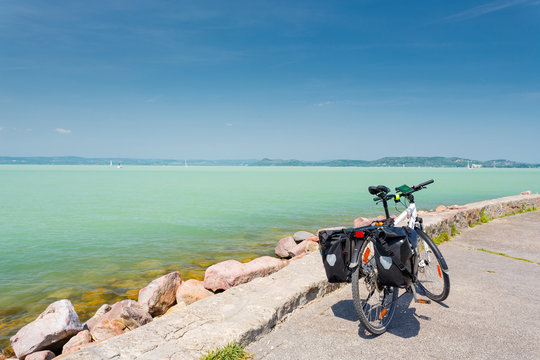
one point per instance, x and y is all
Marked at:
(432, 276)
(365, 288)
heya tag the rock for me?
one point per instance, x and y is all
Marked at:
(50, 330)
(158, 296)
(330, 228)
(77, 342)
(313, 238)
(361, 221)
(303, 248)
(262, 266)
(441, 208)
(178, 306)
(41, 355)
(284, 245)
(124, 316)
(300, 236)
(455, 207)
(191, 291)
(226, 274)
(528, 192)
(89, 325)
(223, 275)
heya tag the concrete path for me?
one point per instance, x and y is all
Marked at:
(493, 311)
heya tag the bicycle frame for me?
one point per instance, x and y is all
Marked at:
(411, 212)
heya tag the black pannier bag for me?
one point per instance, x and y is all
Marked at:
(336, 253)
(396, 256)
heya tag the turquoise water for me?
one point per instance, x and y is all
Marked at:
(97, 234)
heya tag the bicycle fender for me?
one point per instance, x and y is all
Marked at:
(426, 237)
(355, 257)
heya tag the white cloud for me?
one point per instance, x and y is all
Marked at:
(228, 124)
(63, 131)
(324, 103)
(1, 128)
(482, 10)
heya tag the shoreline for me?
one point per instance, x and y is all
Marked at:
(437, 222)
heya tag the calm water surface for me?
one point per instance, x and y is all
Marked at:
(97, 234)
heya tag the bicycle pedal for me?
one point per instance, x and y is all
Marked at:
(422, 301)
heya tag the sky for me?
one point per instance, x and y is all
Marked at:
(309, 80)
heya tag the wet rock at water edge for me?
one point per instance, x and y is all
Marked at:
(124, 316)
(191, 291)
(284, 246)
(105, 308)
(300, 236)
(158, 296)
(49, 331)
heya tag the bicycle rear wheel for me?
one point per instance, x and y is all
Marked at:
(432, 276)
(374, 304)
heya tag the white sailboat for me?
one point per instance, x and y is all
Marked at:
(110, 165)
(185, 163)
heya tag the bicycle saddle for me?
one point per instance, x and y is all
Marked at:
(374, 190)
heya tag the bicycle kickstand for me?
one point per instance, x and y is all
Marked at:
(415, 296)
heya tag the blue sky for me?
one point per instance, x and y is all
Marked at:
(310, 80)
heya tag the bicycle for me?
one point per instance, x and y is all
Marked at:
(375, 304)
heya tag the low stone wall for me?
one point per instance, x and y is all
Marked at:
(242, 313)
(437, 223)
(250, 310)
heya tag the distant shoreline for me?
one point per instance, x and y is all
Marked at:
(408, 161)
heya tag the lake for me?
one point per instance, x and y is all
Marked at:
(97, 234)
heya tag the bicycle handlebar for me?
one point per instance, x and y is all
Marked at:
(424, 184)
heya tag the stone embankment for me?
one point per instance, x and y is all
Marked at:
(175, 319)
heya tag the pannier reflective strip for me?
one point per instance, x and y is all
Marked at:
(386, 261)
(331, 259)
(359, 234)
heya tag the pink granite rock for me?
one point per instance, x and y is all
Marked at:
(441, 208)
(262, 266)
(54, 326)
(313, 238)
(361, 221)
(105, 308)
(528, 192)
(284, 246)
(77, 342)
(158, 296)
(303, 248)
(223, 275)
(124, 316)
(191, 291)
(41, 355)
(226, 274)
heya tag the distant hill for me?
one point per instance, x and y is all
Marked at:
(404, 161)
(75, 160)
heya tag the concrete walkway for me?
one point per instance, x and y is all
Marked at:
(493, 310)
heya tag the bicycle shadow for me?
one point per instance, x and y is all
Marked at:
(405, 323)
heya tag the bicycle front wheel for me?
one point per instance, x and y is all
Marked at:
(432, 276)
(374, 304)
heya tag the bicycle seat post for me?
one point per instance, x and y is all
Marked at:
(385, 204)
